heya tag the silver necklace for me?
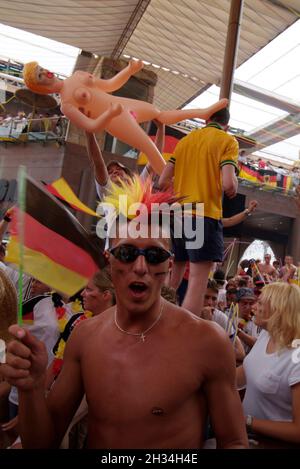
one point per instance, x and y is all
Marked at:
(141, 335)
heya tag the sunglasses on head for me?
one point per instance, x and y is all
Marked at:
(127, 253)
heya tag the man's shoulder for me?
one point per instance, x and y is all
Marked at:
(84, 332)
(200, 331)
(93, 323)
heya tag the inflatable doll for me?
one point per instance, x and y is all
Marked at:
(87, 102)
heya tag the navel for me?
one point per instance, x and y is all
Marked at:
(158, 411)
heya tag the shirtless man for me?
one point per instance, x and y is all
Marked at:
(288, 271)
(267, 270)
(87, 102)
(151, 371)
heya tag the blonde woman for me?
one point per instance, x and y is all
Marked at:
(271, 371)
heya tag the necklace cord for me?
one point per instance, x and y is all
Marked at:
(143, 333)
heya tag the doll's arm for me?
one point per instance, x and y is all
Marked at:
(116, 82)
(88, 124)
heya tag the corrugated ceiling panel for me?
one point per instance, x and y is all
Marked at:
(189, 36)
(95, 26)
(186, 36)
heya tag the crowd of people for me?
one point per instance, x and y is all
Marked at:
(20, 123)
(134, 361)
(278, 171)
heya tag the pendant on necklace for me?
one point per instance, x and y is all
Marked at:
(143, 337)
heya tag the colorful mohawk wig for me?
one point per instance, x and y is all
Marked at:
(129, 199)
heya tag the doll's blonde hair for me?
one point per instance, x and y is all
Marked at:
(30, 79)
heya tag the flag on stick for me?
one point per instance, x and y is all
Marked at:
(57, 249)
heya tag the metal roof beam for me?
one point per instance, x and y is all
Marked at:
(231, 49)
(129, 28)
(276, 132)
(267, 97)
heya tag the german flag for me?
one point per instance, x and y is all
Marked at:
(287, 183)
(57, 249)
(61, 189)
(267, 177)
(172, 137)
(248, 172)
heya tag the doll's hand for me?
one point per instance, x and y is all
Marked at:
(115, 110)
(135, 66)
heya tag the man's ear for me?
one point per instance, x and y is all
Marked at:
(107, 295)
(171, 263)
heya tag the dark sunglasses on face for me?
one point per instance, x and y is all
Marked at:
(127, 253)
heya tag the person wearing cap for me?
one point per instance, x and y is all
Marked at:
(247, 330)
(115, 171)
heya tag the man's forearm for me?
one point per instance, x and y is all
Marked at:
(248, 339)
(96, 158)
(287, 431)
(36, 425)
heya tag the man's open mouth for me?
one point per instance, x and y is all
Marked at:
(138, 287)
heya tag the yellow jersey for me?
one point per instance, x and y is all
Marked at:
(199, 158)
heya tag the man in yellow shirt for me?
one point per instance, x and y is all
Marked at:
(203, 165)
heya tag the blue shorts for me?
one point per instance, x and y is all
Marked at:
(212, 248)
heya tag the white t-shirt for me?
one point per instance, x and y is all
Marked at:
(12, 273)
(220, 318)
(45, 329)
(269, 380)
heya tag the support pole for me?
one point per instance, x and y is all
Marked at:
(231, 49)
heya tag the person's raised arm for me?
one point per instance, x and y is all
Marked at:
(96, 159)
(88, 124)
(224, 405)
(116, 82)
(239, 217)
(159, 142)
(229, 180)
(166, 177)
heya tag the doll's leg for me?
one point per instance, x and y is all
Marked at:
(171, 117)
(126, 129)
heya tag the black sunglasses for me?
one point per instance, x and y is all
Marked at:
(127, 253)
